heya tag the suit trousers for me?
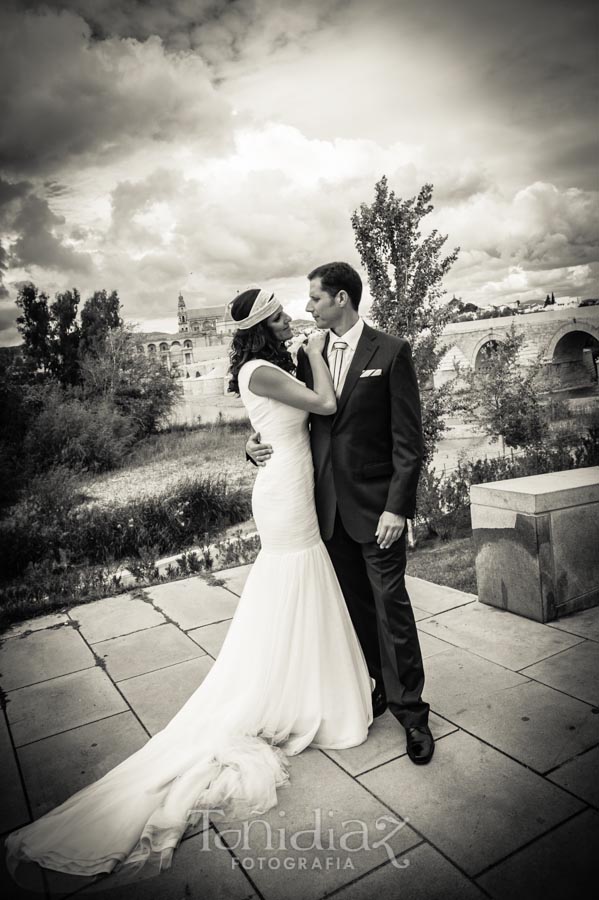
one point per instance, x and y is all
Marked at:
(373, 583)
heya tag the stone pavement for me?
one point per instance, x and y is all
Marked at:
(508, 807)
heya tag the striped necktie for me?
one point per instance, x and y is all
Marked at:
(339, 347)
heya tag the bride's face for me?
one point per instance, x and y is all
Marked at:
(279, 324)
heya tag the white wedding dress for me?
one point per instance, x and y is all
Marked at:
(290, 673)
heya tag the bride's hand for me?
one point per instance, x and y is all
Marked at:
(316, 342)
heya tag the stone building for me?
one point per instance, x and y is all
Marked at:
(202, 339)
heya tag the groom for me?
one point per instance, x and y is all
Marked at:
(367, 460)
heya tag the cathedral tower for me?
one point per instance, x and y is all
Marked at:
(182, 314)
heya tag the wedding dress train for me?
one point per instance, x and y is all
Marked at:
(290, 673)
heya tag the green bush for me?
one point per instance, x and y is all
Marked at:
(56, 526)
(84, 436)
(444, 500)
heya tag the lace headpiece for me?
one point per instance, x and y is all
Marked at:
(264, 306)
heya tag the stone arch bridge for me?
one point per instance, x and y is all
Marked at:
(567, 339)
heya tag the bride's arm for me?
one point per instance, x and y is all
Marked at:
(266, 381)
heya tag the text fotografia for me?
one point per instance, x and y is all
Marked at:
(354, 838)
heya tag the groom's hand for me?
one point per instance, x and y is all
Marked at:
(389, 529)
(259, 452)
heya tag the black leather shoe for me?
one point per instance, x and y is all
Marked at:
(420, 744)
(379, 702)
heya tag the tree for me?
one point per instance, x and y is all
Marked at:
(35, 326)
(65, 337)
(138, 385)
(501, 397)
(405, 272)
(54, 340)
(99, 316)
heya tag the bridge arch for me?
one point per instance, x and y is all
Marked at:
(572, 355)
(485, 344)
(582, 328)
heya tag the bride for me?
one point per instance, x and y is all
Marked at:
(290, 674)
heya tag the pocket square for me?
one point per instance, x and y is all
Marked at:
(370, 373)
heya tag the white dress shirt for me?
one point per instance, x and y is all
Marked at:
(351, 338)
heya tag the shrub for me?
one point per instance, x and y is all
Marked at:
(84, 436)
(71, 533)
(444, 500)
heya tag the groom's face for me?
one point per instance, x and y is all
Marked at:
(325, 311)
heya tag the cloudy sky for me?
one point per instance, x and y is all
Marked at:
(199, 145)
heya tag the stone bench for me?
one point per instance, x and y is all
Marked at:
(537, 543)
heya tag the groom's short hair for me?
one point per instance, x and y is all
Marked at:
(339, 276)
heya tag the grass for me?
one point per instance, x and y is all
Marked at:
(450, 563)
(163, 460)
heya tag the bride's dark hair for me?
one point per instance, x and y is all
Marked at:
(257, 342)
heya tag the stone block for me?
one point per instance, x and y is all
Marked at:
(536, 540)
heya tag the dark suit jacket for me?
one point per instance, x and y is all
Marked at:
(367, 457)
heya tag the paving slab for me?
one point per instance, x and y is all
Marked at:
(325, 811)
(236, 578)
(457, 679)
(498, 635)
(193, 602)
(560, 864)
(53, 706)
(114, 616)
(535, 724)
(584, 623)
(56, 767)
(40, 655)
(435, 598)
(429, 876)
(574, 671)
(580, 776)
(211, 637)
(13, 808)
(430, 645)
(146, 651)
(157, 696)
(195, 874)
(471, 802)
(36, 624)
(386, 741)
(420, 614)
